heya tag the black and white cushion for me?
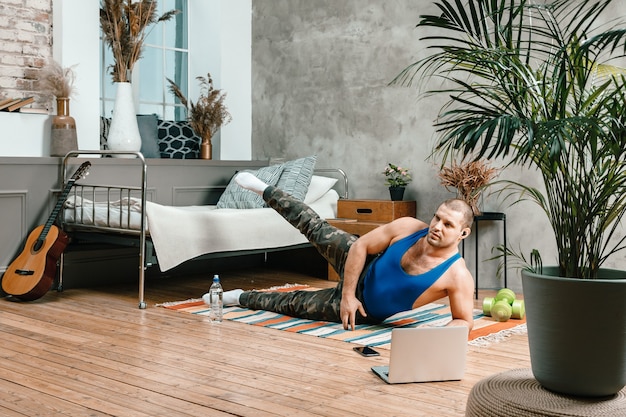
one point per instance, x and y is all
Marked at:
(177, 140)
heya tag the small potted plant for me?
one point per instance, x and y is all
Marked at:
(397, 178)
(207, 114)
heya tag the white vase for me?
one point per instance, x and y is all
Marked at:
(124, 131)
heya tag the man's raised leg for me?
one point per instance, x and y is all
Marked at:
(332, 243)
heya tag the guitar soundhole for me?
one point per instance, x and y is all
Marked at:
(38, 245)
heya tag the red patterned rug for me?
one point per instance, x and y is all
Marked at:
(486, 330)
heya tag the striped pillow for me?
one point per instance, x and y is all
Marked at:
(296, 176)
(239, 198)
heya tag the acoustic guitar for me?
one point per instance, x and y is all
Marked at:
(32, 273)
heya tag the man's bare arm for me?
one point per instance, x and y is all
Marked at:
(371, 243)
(461, 297)
(352, 270)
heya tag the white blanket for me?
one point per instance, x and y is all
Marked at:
(183, 233)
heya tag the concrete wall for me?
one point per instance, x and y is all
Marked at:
(320, 85)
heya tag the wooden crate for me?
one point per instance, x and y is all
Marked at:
(358, 228)
(375, 210)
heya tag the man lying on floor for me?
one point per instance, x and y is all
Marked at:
(396, 267)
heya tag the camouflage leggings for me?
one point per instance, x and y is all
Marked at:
(332, 243)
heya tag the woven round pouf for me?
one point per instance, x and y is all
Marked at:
(517, 393)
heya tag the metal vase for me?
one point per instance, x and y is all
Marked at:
(63, 136)
(206, 148)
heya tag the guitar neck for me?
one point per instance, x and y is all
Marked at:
(81, 171)
(57, 208)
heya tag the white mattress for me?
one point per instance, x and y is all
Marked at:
(122, 214)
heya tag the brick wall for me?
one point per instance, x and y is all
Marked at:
(25, 44)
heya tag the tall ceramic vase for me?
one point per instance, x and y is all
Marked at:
(124, 131)
(63, 134)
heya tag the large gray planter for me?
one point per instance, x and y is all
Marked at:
(577, 331)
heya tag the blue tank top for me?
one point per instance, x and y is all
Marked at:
(388, 289)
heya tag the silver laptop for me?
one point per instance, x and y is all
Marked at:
(425, 354)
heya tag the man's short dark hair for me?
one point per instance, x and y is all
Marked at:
(462, 207)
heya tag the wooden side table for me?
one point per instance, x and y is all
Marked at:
(381, 211)
(361, 216)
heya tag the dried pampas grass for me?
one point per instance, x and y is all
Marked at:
(207, 114)
(57, 81)
(124, 24)
(469, 178)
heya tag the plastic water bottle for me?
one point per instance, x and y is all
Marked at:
(215, 296)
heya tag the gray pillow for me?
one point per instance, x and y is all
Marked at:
(296, 176)
(239, 198)
(149, 132)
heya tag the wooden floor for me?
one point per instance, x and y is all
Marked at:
(92, 352)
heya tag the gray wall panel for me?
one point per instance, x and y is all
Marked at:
(12, 224)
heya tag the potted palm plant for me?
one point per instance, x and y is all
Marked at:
(531, 82)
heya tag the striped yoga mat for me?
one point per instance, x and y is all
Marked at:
(485, 331)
